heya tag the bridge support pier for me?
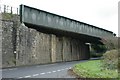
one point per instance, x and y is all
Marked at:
(53, 48)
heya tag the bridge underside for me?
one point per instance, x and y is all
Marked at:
(82, 37)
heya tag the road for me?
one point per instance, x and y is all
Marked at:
(56, 70)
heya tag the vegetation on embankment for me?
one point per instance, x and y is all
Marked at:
(93, 69)
(110, 60)
(109, 43)
(9, 16)
(107, 67)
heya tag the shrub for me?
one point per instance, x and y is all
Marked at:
(97, 50)
(110, 59)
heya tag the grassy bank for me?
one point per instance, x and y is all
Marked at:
(93, 69)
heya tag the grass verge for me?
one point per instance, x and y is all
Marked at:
(93, 69)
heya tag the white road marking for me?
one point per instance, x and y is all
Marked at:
(27, 76)
(62, 69)
(69, 67)
(20, 77)
(58, 70)
(48, 72)
(35, 74)
(53, 71)
(42, 73)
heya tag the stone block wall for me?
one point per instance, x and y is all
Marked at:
(27, 46)
(33, 47)
(8, 56)
(59, 49)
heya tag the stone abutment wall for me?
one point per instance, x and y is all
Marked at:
(27, 46)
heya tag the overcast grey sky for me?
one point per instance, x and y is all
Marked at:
(101, 13)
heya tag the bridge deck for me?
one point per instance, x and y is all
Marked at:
(48, 20)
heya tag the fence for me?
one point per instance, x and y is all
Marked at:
(9, 9)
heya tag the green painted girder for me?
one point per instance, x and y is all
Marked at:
(30, 15)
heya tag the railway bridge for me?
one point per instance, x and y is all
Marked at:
(57, 24)
(69, 36)
(44, 37)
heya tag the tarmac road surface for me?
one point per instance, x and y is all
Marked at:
(56, 70)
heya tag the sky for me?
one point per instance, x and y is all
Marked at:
(100, 13)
